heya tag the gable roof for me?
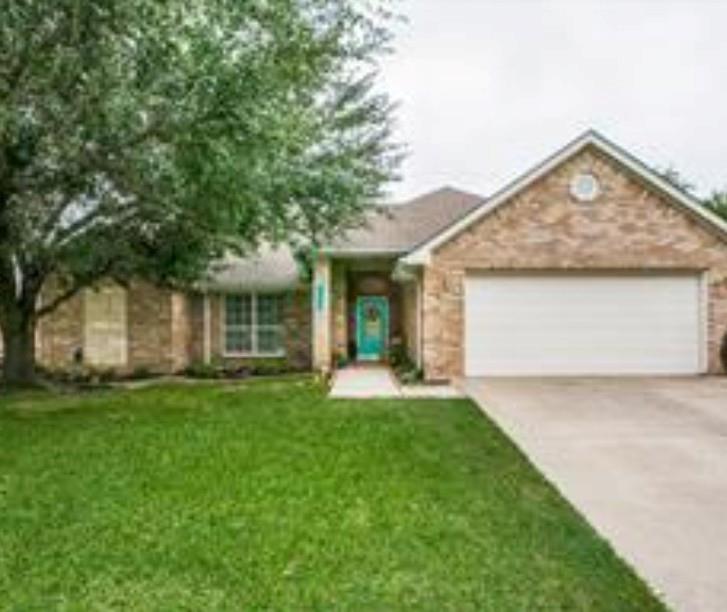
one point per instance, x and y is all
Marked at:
(271, 268)
(391, 230)
(422, 253)
(396, 229)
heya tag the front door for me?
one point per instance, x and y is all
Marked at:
(372, 327)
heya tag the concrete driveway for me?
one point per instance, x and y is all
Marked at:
(645, 460)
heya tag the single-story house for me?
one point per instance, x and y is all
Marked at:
(588, 264)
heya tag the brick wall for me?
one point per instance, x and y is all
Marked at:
(409, 313)
(196, 327)
(629, 227)
(60, 334)
(166, 329)
(150, 321)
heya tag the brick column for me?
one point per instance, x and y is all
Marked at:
(322, 319)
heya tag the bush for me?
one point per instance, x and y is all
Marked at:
(398, 355)
(262, 366)
(269, 367)
(411, 375)
(80, 376)
(199, 369)
(404, 368)
(141, 373)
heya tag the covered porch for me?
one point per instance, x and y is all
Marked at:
(365, 310)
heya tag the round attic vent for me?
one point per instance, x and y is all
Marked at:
(585, 187)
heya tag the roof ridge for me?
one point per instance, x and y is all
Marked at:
(446, 189)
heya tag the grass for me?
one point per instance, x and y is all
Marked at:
(267, 496)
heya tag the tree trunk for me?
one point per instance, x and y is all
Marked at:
(19, 349)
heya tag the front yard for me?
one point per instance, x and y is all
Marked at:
(265, 495)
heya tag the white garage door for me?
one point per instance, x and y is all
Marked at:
(539, 324)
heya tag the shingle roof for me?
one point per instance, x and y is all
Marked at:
(393, 229)
(270, 269)
(399, 228)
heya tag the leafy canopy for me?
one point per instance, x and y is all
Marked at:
(717, 203)
(148, 136)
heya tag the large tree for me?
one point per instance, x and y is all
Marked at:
(146, 137)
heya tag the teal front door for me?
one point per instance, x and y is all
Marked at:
(372, 327)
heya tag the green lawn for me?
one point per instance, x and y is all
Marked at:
(268, 496)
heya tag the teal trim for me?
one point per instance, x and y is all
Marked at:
(372, 327)
(320, 297)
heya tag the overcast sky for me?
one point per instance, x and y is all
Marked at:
(489, 87)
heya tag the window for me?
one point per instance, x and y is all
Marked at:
(254, 325)
(585, 187)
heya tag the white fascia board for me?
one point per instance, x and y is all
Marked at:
(422, 254)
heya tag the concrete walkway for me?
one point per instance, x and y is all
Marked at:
(378, 381)
(644, 460)
(365, 381)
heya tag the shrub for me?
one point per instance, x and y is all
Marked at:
(410, 375)
(235, 370)
(397, 355)
(269, 367)
(199, 369)
(141, 373)
(404, 368)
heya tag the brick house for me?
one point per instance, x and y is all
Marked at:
(589, 263)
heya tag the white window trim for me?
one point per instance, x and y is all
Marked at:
(254, 327)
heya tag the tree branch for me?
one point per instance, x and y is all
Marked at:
(77, 286)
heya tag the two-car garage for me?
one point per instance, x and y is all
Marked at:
(609, 323)
(589, 264)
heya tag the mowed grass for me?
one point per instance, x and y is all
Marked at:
(268, 496)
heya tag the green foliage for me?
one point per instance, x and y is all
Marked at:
(140, 137)
(243, 368)
(202, 370)
(717, 203)
(672, 176)
(269, 366)
(81, 376)
(405, 369)
(397, 354)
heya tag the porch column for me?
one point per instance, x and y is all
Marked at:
(322, 321)
(339, 315)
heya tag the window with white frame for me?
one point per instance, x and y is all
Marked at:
(254, 324)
